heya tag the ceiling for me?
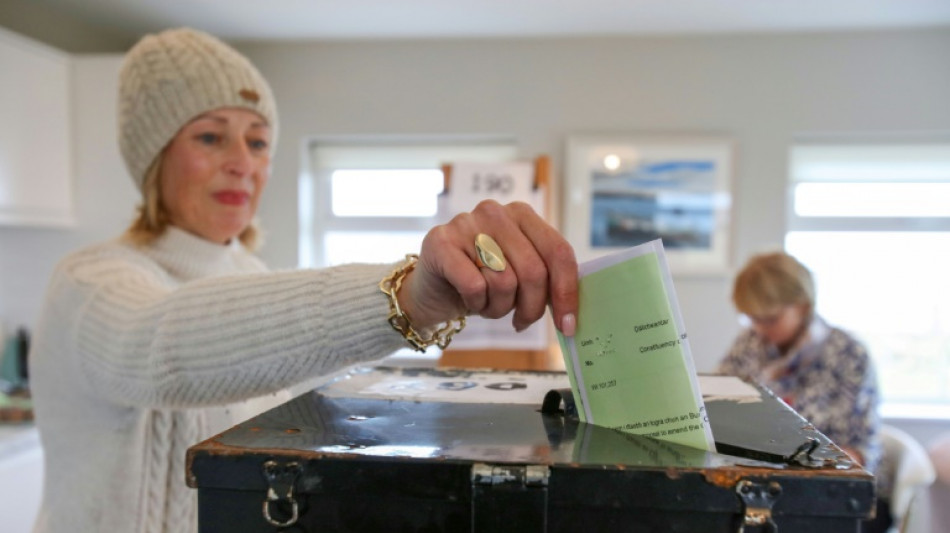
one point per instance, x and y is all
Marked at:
(386, 19)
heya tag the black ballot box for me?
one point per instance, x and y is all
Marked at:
(394, 449)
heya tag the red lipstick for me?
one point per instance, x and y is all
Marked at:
(232, 197)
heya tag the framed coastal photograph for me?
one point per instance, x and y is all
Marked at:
(624, 190)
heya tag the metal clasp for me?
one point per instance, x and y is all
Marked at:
(509, 498)
(280, 486)
(527, 476)
(757, 500)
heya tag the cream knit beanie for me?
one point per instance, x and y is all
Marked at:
(171, 77)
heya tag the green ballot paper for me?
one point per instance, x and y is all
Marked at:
(629, 361)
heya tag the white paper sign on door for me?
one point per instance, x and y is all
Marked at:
(503, 182)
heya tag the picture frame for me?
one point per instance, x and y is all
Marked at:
(623, 190)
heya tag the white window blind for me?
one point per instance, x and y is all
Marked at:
(872, 221)
(373, 200)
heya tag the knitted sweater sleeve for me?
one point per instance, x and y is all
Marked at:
(141, 341)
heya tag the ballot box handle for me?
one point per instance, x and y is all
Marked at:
(281, 479)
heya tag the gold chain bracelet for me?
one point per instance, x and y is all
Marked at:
(390, 285)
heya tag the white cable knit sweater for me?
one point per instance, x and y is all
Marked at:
(136, 347)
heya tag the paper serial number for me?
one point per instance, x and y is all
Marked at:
(604, 385)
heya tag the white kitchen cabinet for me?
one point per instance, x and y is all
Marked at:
(35, 141)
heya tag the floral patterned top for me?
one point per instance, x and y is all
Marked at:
(828, 378)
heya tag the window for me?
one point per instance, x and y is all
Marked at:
(374, 200)
(872, 222)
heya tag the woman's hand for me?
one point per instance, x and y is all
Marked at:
(448, 281)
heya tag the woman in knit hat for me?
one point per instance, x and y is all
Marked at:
(175, 331)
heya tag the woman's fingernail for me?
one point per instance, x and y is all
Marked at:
(568, 324)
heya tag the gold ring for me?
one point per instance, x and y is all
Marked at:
(489, 253)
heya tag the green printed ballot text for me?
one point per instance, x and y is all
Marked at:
(629, 362)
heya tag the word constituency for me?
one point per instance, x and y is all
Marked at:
(660, 345)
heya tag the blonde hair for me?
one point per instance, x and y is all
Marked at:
(152, 219)
(770, 281)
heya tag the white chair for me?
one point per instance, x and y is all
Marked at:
(909, 470)
(940, 491)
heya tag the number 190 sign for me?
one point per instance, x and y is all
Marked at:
(492, 184)
(509, 182)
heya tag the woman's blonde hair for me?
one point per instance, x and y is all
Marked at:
(152, 219)
(771, 281)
